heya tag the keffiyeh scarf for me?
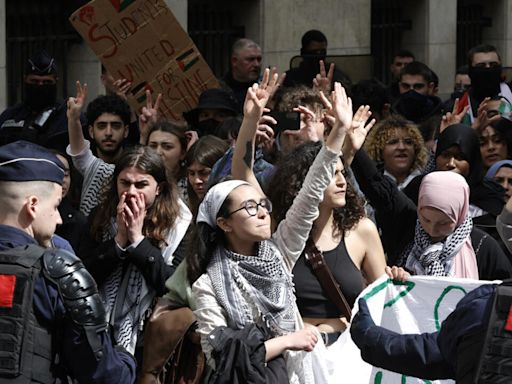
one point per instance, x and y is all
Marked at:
(263, 278)
(424, 257)
(127, 298)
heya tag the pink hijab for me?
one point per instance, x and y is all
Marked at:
(449, 192)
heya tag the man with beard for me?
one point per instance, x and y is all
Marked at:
(245, 68)
(486, 79)
(314, 49)
(40, 118)
(108, 118)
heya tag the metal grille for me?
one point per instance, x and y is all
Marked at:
(211, 27)
(470, 25)
(32, 25)
(386, 35)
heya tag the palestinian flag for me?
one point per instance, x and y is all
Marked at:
(187, 60)
(121, 5)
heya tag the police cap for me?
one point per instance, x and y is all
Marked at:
(25, 161)
(41, 64)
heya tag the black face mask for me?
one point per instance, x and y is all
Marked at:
(457, 94)
(485, 82)
(311, 60)
(414, 106)
(39, 97)
(207, 127)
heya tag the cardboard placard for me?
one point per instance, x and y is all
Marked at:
(141, 41)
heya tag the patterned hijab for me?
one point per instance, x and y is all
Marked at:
(449, 193)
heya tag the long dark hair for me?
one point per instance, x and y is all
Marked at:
(205, 240)
(287, 181)
(162, 214)
(206, 151)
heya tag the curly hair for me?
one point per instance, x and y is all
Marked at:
(108, 104)
(287, 181)
(161, 215)
(386, 129)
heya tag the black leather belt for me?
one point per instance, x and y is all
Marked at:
(330, 338)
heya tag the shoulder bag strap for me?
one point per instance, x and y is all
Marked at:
(316, 260)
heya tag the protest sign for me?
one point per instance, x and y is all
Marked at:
(416, 306)
(141, 41)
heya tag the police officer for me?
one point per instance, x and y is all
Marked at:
(472, 346)
(52, 320)
(40, 118)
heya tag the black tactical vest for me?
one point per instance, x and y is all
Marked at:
(495, 365)
(26, 353)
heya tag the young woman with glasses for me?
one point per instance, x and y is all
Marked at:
(241, 273)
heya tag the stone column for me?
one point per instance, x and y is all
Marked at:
(179, 8)
(433, 37)
(499, 33)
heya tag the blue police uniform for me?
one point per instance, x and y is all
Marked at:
(65, 315)
(75, 353)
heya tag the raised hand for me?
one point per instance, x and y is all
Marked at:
(308, 131)
(148, 116)
(453, 117)
(279, 81)
(483, 120)
(359, 129)
(121, 88)
(322, 81)
(341, 106)
(259, 94)
(75, 104)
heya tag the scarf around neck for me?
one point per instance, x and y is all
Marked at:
(263, 278)
(425, 257)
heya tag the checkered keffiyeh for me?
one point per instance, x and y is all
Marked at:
(435, 259)
(262, 278)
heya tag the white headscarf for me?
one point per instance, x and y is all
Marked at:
(214, 199)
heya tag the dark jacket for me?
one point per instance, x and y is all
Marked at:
(76, 355)
(17, 123)
(240, 358)
(396, 217)
(238, 88)
(102, 258)
(74, 224)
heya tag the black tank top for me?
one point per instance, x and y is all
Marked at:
(311, 298)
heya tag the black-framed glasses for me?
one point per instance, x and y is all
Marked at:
(251, 207)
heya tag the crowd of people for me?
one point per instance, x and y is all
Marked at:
(263, 218)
